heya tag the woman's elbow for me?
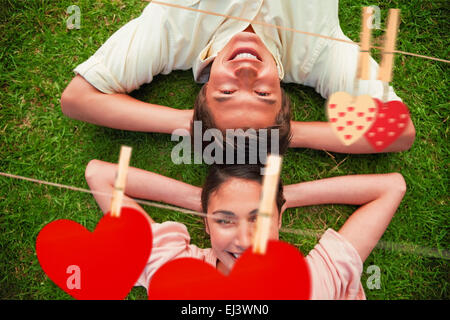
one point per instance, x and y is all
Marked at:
(397, 184)
(92, 168)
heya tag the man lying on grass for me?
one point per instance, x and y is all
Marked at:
(241, 64)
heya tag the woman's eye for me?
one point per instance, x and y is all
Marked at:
(263, 94)
(223, 221)
(227, 91)
(252, 219)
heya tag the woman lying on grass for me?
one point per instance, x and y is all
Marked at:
(230, 197)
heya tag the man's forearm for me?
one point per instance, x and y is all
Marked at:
(83, 102)
(320, 136)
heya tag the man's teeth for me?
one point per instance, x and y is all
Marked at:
(245, 55)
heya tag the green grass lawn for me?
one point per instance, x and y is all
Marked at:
(38, 54)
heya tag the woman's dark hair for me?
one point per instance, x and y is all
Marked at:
(218, 174)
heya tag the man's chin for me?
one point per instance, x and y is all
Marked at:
(245, 36)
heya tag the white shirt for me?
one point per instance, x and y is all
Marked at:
(165, 38)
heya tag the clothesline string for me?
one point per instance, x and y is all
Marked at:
(407, 248)
(149, 203)
(291, 29)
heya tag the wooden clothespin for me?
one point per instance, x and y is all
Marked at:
(268, 196)
(121, 178)
(387, 60)
(365, 40)
(363, 70)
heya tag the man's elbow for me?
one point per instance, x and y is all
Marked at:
(410, 135)
(74, 97)
(68, 101)
(64, 102)
(405, 140)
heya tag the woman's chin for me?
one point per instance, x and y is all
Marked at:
(227, 260)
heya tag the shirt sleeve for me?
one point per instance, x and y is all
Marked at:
(335, 269)
(335, 71)
(131, 56)
(170, 241)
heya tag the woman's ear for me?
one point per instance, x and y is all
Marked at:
(280, 216)
(205, 221)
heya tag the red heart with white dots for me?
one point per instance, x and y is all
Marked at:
(280, 274)
(391, 120)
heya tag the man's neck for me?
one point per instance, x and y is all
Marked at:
(249, 29)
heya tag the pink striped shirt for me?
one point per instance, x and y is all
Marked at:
(335, 265)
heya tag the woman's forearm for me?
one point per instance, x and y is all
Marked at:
(364, 228)
(142, 184)
(353, 190)
(378, 195)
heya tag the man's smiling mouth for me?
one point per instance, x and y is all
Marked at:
(245, 54)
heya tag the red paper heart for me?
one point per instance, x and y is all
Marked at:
(392, 119)
(280, 274)
(104, 264)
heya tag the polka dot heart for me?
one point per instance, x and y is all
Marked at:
(350, 117)
(392, 119)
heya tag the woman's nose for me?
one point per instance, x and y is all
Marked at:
(244, 236)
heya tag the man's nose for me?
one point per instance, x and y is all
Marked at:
(246, 73)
